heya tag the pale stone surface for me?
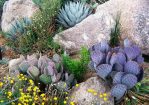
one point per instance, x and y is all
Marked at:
(81, 95)
(134, 22)
(16, 9)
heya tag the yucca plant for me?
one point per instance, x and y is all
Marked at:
(73, 13)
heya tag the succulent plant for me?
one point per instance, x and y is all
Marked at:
(18, 28)
(123, 64)
(43, 69)
(118, 91)
(45, 79)
(73, 13)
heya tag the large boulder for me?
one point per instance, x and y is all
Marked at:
(94, 91)
(16, 9)
(134, 20)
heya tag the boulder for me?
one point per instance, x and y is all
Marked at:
(94, 91)
(14, 10)
(134, 20)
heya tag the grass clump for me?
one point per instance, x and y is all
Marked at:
(115, 33)
(75, 66)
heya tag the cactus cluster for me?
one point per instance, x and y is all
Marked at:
(123, 64)
(73, 13)
(43, 69)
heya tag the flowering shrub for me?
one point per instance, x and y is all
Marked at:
(22, 91)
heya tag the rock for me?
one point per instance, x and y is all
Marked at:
(88, 93)
(16, 9)
(56, 58)
(93, 29)
(134, 20)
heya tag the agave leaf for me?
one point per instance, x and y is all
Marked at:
(73, 13)
(70, 15)
(104, 70)
(118, 91)
(129, 80)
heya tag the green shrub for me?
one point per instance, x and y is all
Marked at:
(40, 32)
(75, 66)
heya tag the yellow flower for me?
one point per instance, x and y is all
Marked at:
(44, 98)
(1, 84)
(77, 85)
(29, 88)
(9, 94)
(31, 82)
(67, 98)
(100, 95)
(33, 103)
(90, 90)
(55, 98)
(65, 84)
(72, 103)
(36, 98)
(95, 93)
(65, 102)
(42, 103)
(105, 94)
(11, 81)
(30, 100)
(19, 104)
(105, 99)
(42, 95)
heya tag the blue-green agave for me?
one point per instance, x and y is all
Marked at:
(18, 28)
(73, 13)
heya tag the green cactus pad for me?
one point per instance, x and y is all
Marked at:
(45, 79)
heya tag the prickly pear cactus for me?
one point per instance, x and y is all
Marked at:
(42, 69)
(123, 64)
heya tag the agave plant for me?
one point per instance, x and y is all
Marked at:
(18, 28)
(122, 64)
(46, 70)
(73, 13)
